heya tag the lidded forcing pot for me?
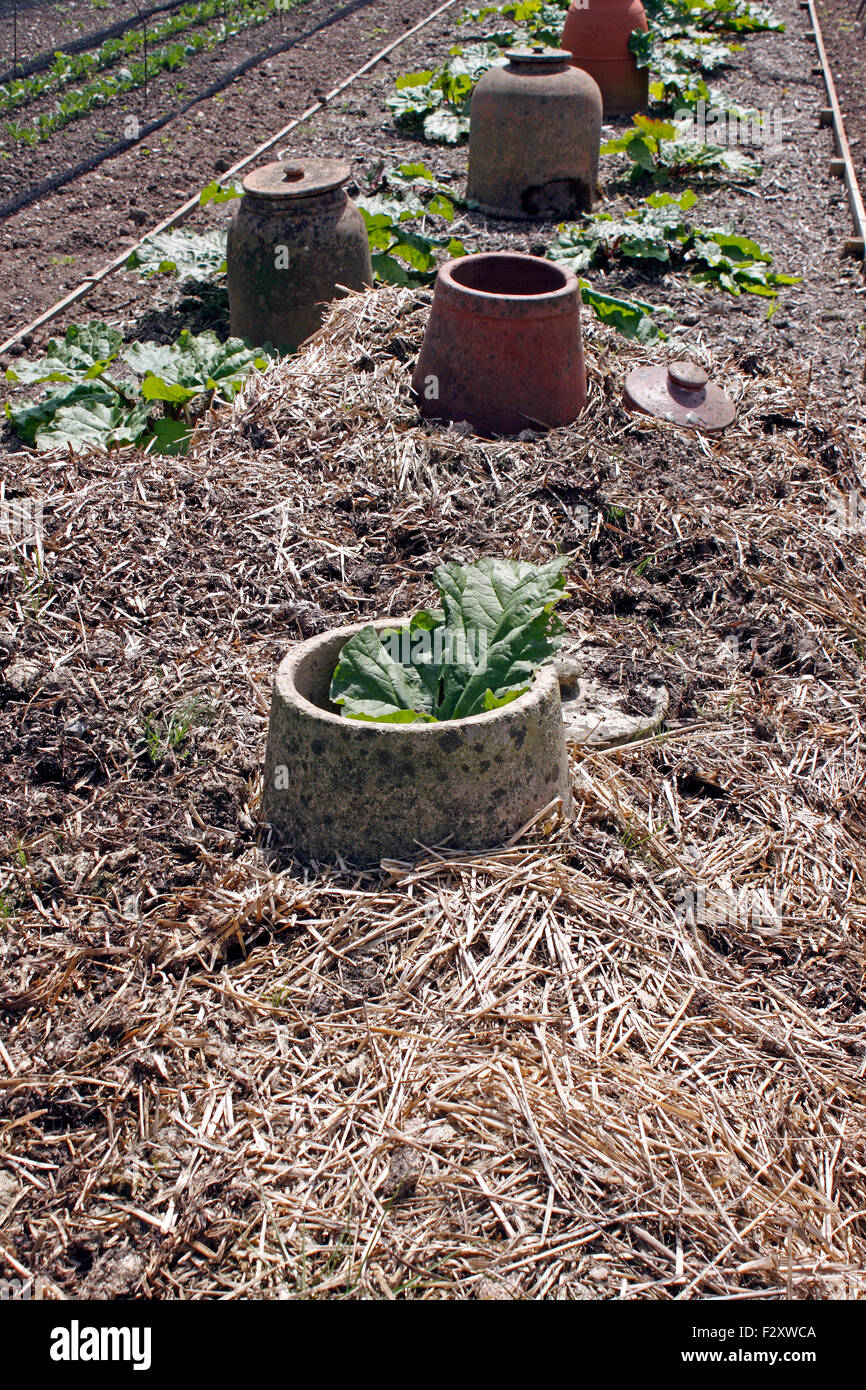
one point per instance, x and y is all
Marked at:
(596, 34)
(534, 136)
(502, 350)
(296, 243)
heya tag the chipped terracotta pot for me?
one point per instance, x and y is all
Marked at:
(596, 33)
(502, 349)
(370, 791)
(295, 244)
(534, 137)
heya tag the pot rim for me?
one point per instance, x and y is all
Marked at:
(487, 302)
(544, 678)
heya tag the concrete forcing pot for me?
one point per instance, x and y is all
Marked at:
(296, 243)
(502, 349)
(336, 786)
(534, 136)
(596, 34)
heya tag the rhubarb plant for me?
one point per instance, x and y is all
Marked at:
(535, 21)
(188, 255)
(655, 149)
(435, 103)
(146, 399)
(659, 232)
(407, 194)
(478, 652)
(735, 16)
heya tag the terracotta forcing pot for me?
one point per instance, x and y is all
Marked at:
(502, 349)
(534, 136)
(596, 33)
(295, 244)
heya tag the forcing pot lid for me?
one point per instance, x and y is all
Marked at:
(537, 53)
(681, 392)
(296, 178)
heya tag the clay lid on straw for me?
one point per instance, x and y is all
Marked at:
(297, 178)
(680, 392)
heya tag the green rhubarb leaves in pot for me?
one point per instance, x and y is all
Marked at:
(480, 651)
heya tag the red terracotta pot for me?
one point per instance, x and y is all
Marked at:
(596, 34)
(503, 349)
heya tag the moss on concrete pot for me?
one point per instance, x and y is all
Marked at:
(373, 791)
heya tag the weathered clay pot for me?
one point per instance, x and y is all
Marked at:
(596, 33)
(336, 786)
(295, 244)
(502, 348)
(534, 137)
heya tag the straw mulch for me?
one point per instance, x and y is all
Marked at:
(620, 1057)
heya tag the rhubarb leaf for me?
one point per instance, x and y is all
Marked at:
(480, 651)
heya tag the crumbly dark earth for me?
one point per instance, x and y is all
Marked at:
(222, 1077)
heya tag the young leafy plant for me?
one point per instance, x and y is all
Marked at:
(82, 355)
(88, 408)
(654, 148)
(736, 16)
(80, 100)
(68, 68)
(436, 103)
(536, 21)
(631, 317)
(188, 255)
(400, 196)
(480, 651)
(659, 232)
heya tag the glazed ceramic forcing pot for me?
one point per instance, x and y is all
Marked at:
(534, 137)
(596, 33)
(296, 243)
(503, 348)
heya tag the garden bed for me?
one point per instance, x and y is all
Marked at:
(845, 41)
(428, 1079)
(620, 1056)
